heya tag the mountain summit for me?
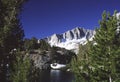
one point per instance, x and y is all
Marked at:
(71, 39)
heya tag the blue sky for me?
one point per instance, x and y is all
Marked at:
(42, 18)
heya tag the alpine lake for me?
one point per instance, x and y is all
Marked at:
(53, 75)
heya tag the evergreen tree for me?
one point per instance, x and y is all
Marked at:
(21, 68)
(100, 62)
(11, 27)
(105, 51)
(30, 44)
(81, 66)
(43, 45)
(11, 33)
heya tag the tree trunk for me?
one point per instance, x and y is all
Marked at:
(110, 79)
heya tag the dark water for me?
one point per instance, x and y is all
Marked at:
(56, 76)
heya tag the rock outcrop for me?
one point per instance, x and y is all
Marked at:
(42, 58)
(71, 39)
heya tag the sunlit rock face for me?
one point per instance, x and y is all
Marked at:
(71, 39)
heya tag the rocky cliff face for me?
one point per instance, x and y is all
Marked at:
(71, 39)
(40, 59)
(43, 58)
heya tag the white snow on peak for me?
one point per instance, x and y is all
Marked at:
(71, 39)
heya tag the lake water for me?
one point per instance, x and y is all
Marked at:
(56, 76)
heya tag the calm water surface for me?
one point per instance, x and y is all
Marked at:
(56, 76)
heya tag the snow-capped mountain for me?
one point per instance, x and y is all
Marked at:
(71, 39)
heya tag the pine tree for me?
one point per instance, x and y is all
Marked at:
(11, 27)
(11, 33)
(43, 45)
(30, 44)
(105, 51)
(100, 61)
(21, 68)
(81, 65)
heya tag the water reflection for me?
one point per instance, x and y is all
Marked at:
(56, 76)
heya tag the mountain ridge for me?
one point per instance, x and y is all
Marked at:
(71, 39)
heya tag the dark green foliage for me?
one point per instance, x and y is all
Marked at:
(81, 65)
(30, 44)
(100, 62)
(104, 53)
(21, 68)
(11, 29)
(43, 45)
(34, 43)
(12, 63)
(11, 34)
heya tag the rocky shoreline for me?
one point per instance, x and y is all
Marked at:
(42, 58)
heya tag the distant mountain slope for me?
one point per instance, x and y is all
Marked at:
(71, 39)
